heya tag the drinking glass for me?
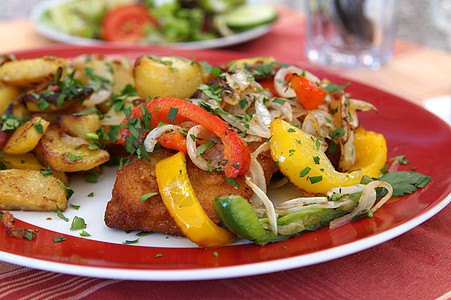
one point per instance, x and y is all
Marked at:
(351, 34)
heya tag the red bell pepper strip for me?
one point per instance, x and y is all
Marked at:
(310, 95)
(174, 140)
(171, 110)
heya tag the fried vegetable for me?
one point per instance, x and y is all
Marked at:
(30, 72)
(370, 152)
(182, 204)
(168, 76)
(57, 150)
(7, 95)
(26, 136)
(300, 159)
(79, 125)
(30, 190)
(28, 161)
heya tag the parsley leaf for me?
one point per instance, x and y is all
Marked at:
(144, 197)
(405, 182)
(60, 214)
(332, 87)
(77, 223)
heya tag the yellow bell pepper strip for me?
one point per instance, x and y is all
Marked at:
(370, 152)
(171, 110)
(303, 163)
(182, 204)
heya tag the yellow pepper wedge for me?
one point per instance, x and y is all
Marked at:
(301, 161)
(370, 152)
(182, 204)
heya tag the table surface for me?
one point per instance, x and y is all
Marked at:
(416, 73)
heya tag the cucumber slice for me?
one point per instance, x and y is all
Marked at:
(250, 15)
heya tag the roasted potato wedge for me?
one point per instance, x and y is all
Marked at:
(19, 111)
(55, 150)
(78, 125)
(28, 161)
(30, 190)
(26, 136)
(168, 76)
(7, 95)
(30, 72)
(22, 161)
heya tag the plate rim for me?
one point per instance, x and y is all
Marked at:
(241, 270)
(237, 271)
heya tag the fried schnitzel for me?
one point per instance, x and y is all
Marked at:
(126, 211)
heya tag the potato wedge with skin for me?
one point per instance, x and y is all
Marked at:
(30, 72)
(26, 136)
(54, 150)
(78, 125)
(28, 161)
(30, 190)
(168, 76)
(7, 95)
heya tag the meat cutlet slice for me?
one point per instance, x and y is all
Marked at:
(125, 210)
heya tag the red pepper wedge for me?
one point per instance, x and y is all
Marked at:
(172, 110)
(310, 95)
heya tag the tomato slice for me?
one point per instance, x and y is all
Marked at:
(125, 23)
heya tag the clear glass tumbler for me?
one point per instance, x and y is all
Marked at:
(351, 34)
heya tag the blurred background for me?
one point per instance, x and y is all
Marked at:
(421, 22)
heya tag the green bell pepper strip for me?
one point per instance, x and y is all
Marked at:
(238, 216)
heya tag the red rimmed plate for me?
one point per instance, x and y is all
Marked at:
(409, 130)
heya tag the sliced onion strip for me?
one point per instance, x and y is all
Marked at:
(270, 212)
(152, 138)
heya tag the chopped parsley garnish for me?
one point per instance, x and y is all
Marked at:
(60, 214)
(73, 157)
(204, 147)
(86, 112)
(91, 194)
(159, 255)
(304, 172)
(337, 133)
(144, 197)
(316, 159)
(332, 87)
(131, 242)
(59, 239)
(215, 254)
(69, 190)
(172, 114)
(215, 71)
(77, 223)
(315, 179)
(231, 181)
(38, 127)
(91, 177)
(143, 233)
(84, 233)
(29, 235)
(401, 159)
(46, 171)
(211, 91)
(75, 206)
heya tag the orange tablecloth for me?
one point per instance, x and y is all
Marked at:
(416, 265)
